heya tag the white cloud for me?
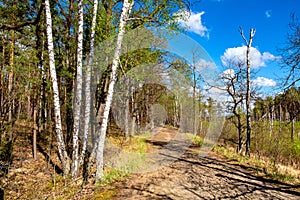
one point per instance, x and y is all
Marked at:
(192, 22)
(264, 82)
(208, 71)
(268, 13)
(233, 56)
(269, 56)
(228, 74)
(203, 65)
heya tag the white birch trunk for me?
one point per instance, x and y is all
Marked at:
(58, 126)
(100, 148)
(78, 94)
(88, 72)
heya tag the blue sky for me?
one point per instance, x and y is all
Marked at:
(215, 25)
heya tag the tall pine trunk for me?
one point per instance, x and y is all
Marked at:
(1, 78)
(65, 161)
(10, 81)
(35, 127)
(100, 148)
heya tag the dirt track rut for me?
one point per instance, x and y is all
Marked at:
(194, 177)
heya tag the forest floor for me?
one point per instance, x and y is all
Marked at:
(187, 176)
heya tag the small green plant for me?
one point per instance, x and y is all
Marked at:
(283, 177)
(198, 141)
(145, 135)
(296, 147)
(137, 144)
(106, 194)
(111, 175)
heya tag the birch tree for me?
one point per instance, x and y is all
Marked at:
(87, 111)
(248, 94)
(58, 125)
(78, 94)
(100, 148)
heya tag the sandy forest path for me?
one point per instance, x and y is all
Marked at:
(194, 177)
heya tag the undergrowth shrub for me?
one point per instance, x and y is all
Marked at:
(271, 142)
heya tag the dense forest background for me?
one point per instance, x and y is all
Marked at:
(46, 75)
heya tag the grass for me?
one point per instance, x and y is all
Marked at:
(131, 159)
(196, 140)
(111, 175)
(258, 166)
(135, 144)
(104, 195)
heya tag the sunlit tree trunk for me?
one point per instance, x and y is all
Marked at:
(88, 71)
(35, 128)
(194, 98)
(11, 81)
(271, 116)
(100, 148)
(200, 117)
(58, 125)
(292, 128)
(28, 97)
(78, 94)
(11, 75)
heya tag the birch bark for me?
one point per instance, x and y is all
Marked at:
(58, 125)
(78, 94)
(100, 148)
(87, 112)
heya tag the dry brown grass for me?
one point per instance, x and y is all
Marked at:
(39, 179)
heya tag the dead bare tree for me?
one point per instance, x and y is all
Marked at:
(234, 79)
(290, 54)
(248, 95)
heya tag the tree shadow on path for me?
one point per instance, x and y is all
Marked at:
(237, 174)
(194, 177)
